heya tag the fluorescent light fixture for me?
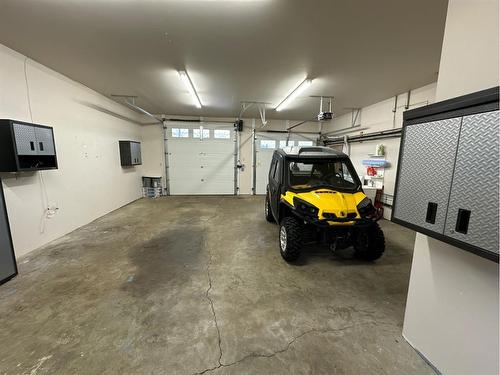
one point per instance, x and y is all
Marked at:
(189, 85)
(296, 92)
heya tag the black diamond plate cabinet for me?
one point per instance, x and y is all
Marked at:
(26, 147)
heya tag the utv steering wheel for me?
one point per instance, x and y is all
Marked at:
(330, 175)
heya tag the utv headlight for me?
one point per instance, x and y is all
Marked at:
(365, 207)
(305, 208)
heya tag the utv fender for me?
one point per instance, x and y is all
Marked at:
(284, 210)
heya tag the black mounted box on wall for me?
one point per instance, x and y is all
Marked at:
(130, 153)
(26, 147)
(238, 125)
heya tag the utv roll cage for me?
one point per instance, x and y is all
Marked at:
(311, 154)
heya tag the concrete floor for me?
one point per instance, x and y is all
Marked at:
(186, 285)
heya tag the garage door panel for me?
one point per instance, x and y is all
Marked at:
(185, 162)
(215, 147)
(218, 175)
(214, 186)
(217, 158)
(189, 187)
(217, 163)
(201, 167)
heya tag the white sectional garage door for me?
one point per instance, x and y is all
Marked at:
(201, 159)
(265, 144)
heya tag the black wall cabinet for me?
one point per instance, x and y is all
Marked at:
(8, 266)
(130, 153)
(448, 171)
(26, 147)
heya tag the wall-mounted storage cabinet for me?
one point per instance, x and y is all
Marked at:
(8, 266)
(448, 172)
(26, 147)
(130, 153)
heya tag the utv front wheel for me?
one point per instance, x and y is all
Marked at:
(368, 242)
(290, 238)
(267, 210)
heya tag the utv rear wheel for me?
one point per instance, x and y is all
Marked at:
(290, 238)
(368, 242)
(267, 210)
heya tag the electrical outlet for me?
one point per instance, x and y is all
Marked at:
(51, 211)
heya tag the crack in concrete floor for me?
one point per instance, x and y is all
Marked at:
(209, 276)
(210, 300)
(284, 349)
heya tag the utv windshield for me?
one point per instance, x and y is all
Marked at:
(306, 175)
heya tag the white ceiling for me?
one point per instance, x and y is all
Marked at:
(359, 51)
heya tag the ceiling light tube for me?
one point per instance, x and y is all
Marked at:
(189, 85)
(296, 92)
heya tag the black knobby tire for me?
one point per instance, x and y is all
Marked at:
(290, 249)
(267, 211)
(368, 242)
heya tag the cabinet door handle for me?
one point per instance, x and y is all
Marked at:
(463, 218)
(430, 217)
(32, 146)
(41, 146)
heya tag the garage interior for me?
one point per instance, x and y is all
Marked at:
(137, 143)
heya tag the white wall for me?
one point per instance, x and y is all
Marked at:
(380, 117)
(452, 308)
(90, 181)
(469, 57)
(451, 312)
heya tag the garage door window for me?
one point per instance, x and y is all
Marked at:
(180, 133)
(197, 133)
(305, 143)
(222, 134)
(267, 144)
(284, 143)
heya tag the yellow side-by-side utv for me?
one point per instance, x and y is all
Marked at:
(315, 195)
